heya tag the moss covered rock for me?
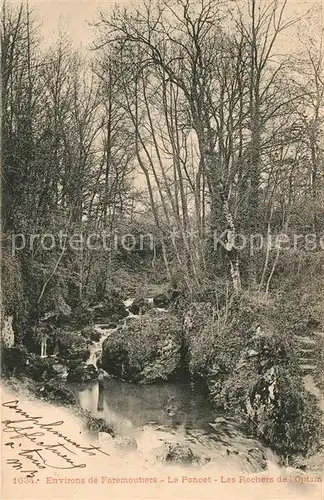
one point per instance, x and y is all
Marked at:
(251, 367)
(282, 414)
(146, 349)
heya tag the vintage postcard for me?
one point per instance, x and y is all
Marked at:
(162, 250)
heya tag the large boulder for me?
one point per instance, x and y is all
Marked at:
(147, 349)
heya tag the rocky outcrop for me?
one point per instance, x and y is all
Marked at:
(265, 390)
(125, 443)
(145, 350)
(282, 414)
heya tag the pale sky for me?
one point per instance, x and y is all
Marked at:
(73, 15)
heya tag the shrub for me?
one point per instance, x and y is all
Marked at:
(72, 345)
(14, 359)
(250, 365)
(95, 424)
(82, 315)
(56, 391)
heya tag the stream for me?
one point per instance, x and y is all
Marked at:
(150, 418)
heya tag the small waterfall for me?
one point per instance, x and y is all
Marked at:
(104, 331)
(96, 348)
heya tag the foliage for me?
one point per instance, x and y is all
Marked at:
(72, 345)
(83, 315)
(299, 303)
(18, 360)
(82, 373)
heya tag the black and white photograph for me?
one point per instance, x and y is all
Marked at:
(162, 249)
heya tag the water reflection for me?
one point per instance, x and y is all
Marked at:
(163, 404)
(171, 413)
(175, 413)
